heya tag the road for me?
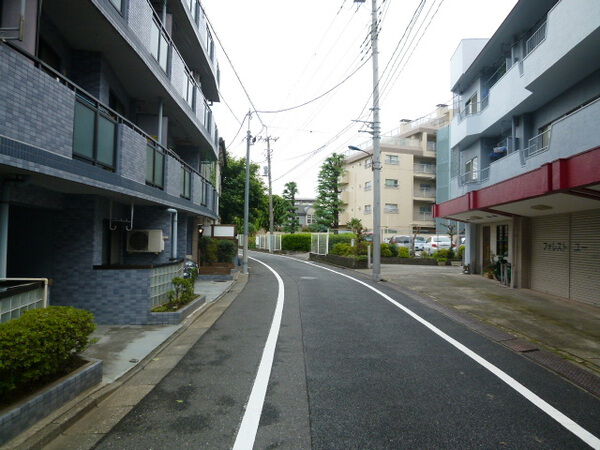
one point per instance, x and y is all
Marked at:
(352, 368)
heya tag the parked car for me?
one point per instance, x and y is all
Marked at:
(401, 241)
(407, 241)
(435, 243)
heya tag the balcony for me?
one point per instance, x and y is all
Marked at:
(71, 135)
(200, 52)
(558, 55)
(423, 217)
(424, 170)
(142, 55)
(424, 195)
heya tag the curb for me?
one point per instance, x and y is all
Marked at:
(582, 378)
(51, 427)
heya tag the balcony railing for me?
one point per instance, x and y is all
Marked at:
(431, 146)
(103, 137)
(424, 193)
(536, 39)
(423, 217)
(475, 176)
(504, 147)
(538, 144)
(473, 108)
(498, 73)
(424, 169)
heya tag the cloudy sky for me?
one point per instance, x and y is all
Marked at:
(287, 53)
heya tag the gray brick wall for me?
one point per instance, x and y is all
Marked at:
(140, 20)
(34, 107)
(132, 154)
(197, 189)
(174, 180)
(178, 75)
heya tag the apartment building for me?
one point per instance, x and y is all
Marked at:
(408, 178)
(108, 148)
(525, 147)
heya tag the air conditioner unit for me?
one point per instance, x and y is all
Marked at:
(145, 241)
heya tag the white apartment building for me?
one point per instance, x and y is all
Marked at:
(525, 147)
(408, 178)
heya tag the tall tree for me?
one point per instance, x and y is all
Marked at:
(292, 223)
(329, 205)
(231, 205)
(280, 211)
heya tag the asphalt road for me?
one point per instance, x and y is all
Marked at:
(351, 370)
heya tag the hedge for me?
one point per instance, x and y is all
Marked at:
(296, 242)
(40, 344)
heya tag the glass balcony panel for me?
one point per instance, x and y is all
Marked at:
(154, 38)
(159, 168)
(83, 136)
(106, 142)
(149, 164)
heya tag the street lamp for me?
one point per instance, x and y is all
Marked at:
(376, 168)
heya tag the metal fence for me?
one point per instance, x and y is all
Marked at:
(319, 243)
(271, 242)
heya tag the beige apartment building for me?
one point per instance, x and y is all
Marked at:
(408, 178)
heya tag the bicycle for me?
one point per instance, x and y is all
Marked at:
(502, 270)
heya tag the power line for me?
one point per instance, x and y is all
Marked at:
(319, 96)
(234, 70)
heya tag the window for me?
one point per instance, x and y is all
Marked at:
(425, 187)
(186, 189)
(502, 240)
(472, 170)
(188, 89)
(368, 185)
(425, 209)
(155, 167)
(391, 183)
(94, 134)
(391, 159)
(391, 208)
(471, 106)
(367, 209)
(159, 45)
(309, 219)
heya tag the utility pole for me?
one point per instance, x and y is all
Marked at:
(270, 195)
(247, 197)
(271, 220)
(376, 149)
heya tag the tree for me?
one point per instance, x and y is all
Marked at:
(280, 212)
(231, 205)
(292, 223)
(357, 228)
(451, 231)
(329, 205)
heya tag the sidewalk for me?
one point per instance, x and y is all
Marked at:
(121, 347)
(131, 368)
(567, 328)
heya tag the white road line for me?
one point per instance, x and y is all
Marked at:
(249, 426)
(566, 422)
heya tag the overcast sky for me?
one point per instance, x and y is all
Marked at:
(288, 52)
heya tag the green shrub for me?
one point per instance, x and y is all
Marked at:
(208, 250)
(296, 242)
(181, 294)
(386, 252)
(226, 250)
(403, 252)
(461, 252)
(40, 344)
(342, 249)
(394, 250)
(345, 238)
(443, 254)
